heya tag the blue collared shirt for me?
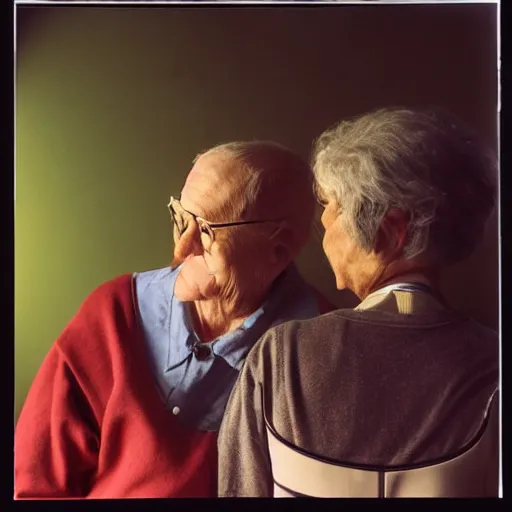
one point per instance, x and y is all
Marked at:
(195, 385)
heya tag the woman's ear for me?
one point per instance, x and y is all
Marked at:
(392, 233)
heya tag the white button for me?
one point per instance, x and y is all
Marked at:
(176, 411)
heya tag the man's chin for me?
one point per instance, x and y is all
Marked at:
(194, 281)
(185, 292)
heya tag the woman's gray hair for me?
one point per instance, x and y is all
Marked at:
(424, 162)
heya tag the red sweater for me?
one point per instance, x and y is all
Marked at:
(93, 424)
(96, 378)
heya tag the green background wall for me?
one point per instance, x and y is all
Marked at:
(112, 105)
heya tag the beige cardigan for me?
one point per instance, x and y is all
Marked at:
(393, 398)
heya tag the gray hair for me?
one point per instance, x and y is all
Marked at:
(272, 174)
(426, 163)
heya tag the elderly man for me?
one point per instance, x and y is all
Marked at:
(130, 397)
(401, 398)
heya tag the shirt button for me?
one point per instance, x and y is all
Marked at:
(176, 410)
(202, 351)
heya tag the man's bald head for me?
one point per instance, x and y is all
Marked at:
(257, 180)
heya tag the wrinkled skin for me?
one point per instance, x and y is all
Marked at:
(209, 188)
(228, 282)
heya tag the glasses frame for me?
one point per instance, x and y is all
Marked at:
(212, 225)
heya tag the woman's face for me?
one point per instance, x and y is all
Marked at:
(352, 265)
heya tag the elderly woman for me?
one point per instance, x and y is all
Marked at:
(397, 397)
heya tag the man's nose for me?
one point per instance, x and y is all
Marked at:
(189, 243)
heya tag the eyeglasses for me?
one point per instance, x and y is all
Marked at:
(181, 219)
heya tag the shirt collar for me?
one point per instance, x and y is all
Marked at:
(407, 302)
(234, 345)
(181, 333)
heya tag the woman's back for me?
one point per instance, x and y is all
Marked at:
(399, 381)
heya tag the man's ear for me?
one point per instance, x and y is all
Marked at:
(392, 233)
(282, 248)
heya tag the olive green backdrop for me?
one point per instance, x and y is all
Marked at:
(112, 104)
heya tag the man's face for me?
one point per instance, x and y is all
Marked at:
(222, 261)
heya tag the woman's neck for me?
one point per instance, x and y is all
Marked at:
(406, 274)
(408, 277)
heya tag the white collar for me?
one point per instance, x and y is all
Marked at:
(406, 287)
(378, 296)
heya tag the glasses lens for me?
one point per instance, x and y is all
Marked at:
(178, 219)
